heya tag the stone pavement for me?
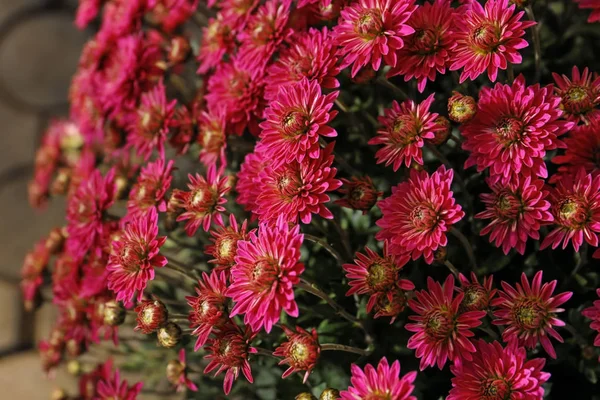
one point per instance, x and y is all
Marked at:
(39, 49)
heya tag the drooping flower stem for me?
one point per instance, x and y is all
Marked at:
(451, 267)
(347, 349)
(323, 243)
(312, 289)
(535, 36)
(466, 245)
(175, 266)
(265, 352)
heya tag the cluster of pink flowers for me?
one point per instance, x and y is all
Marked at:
(261, 129)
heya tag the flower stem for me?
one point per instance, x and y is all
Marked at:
(451, 267)
(180, 268)
(312, 289)
(347, 349)
(510, 74)
(466, 245)
(265, 352)
(537, 48)
(323, 243)
(341, 105)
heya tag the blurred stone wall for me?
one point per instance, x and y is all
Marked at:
(39, 49)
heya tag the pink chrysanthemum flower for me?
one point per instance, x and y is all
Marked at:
(594, 5)
(311, 54)
(376, 275)
(170, 14)
(34, 265)
(177, 373)
(575, 206)
(134, 256)
(488, 39)
(211, 137)
(132, 68)
(498, 373)
(86, 208)
(225, 242)
(593, 313)
(150, 189)
(295, 121)
(265, 30)
(237, 12)
(266, 269)
(236, 88)
(582, 150)
(442, 331)
(229, 352)
(477, 296)
(298, 190)
(517, 210)
(87, 10)
(370, 31)
(113, 388)
(418, 214)
(429, 49)
(390, 304)
(381, 383)
(513, 129)
(529, 313)
(218, 39)
(148, 130)
(204, 200)
(248, 183)
(209, 307)
(301, 351)
(580, 94)
(405, 128)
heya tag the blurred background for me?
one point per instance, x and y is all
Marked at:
(39, 49)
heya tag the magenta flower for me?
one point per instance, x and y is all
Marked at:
(497, 372)
(134, 256)
(148, 130)
(580, 94)
(298, 190)
(513, 129)
(264, 31)
(489, 38)
(529, 313)
(212, 138)
(236, 89)
(516, 212)
(418, 214)
(575, 206)
(295, 121)
(150, 189)
(405, 128)
(266, 269)
(582, 150)
(229, 351)
(429, 49)
(310, 55)
(218, 39)
(381, 383)
(301, 351)
(594, 5)
(477, 296)
(86, 208)
(593, 313)
(248, 183)
(208, 307)
(441, 331)
(204, 201)
(372, 31)
(112, 387)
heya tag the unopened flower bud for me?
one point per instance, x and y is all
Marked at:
(330, 394)
(74, 367)
(301, 351)
(114, 313)
(439, 255)
(443, 133)
(175, 370)
(74, 347)
(59, 394)
(461, 108)
(305, 396)
(60, 184)
(179, 50)
(122, 186)
(169, 335)
(151, 315)
(359, 194)
(55, 240)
